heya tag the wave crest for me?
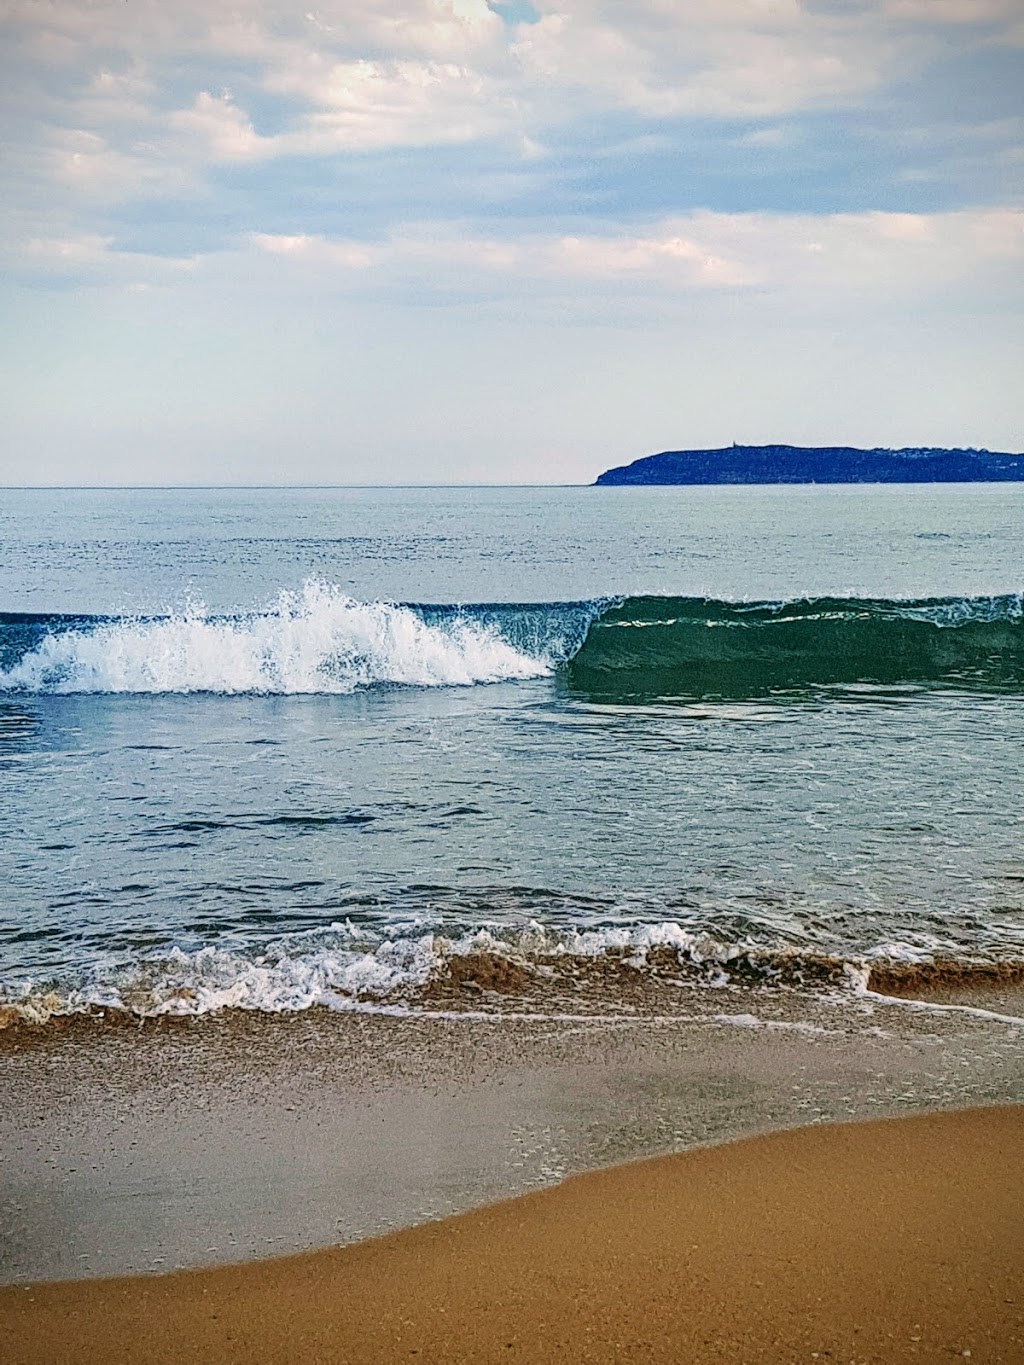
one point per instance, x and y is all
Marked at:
(316, 640)
(347, 968)
(695, 647)
(319, 640)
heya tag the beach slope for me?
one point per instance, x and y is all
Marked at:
(889, 1241)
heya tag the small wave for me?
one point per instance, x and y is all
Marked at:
(692, 647)
(347, 969)
(316, 640)
(890, 977)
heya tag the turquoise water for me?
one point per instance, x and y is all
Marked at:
(274, 748)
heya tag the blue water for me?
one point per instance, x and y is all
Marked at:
(236, 770)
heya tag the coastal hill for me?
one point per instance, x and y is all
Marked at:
(819, 464)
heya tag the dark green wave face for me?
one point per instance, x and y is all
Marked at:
(691, 648)
(633, 650)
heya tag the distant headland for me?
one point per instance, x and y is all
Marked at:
(819, 464)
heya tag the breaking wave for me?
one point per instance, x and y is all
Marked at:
(318, 640)
(314, 641)
(696, 647)
(532, 968)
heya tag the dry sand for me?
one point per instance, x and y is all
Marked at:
(890, 1241)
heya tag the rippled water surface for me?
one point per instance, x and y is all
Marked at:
(278, 747)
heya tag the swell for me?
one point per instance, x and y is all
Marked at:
(701, 648)
(319, 640)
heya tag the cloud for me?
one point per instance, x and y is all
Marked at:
(116, 97)
(150, 79)
(90, 260)
(220, 109)
(668, 59)
(770, 136)
(96, 169)
(221, 130)
(814, 262)
(363, 104)
(136, 94)
(728, 60)
(348, 255)
(953, 11)
(248, 207)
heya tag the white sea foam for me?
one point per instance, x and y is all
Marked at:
(753, 1022)
(348, 967)
(281, 981)
(342, 968)
(316, 640)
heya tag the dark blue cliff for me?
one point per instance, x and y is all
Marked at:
(819, 464)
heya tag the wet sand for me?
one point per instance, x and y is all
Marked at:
(887, 1241)
(241, 1136)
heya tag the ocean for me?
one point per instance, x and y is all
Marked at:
(505, 749)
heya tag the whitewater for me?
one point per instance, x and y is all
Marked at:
(315, 640)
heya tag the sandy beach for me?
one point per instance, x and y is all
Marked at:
(895, 1240)
(472, 1187)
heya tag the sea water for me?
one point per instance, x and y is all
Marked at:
(279, 748)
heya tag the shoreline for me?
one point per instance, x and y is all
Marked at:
(128, 1150)
(485, 980)
(898, 1239)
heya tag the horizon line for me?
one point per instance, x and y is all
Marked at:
(168, 487)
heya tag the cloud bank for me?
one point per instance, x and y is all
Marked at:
(521, 167)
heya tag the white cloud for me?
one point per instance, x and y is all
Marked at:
(65, 251)
(92, 260)
(349, 255)
(443, 29)
(734, 58)
(770, 136)
(196, 106)
(953, 11)
(96, 169)
(65, 30)
(838, 260)
(148, 100)
(221, 130)
(362, 104)
(115, 97)
(408, 73)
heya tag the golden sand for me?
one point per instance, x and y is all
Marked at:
(890, 1241)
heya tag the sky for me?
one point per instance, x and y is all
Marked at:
(515, 241)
